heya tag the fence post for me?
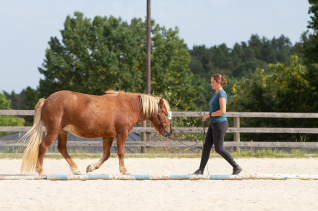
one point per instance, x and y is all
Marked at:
(143, 137)
(237, 135)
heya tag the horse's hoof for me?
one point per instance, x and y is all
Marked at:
(42, 173)
(126, 173)
(77, 173)
(89, 169)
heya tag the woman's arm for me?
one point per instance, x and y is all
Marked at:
(220, 112)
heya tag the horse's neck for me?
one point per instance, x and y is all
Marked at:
(137, 107)
(143, 117)
(139, 110)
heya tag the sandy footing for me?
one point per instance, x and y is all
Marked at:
(164, 195)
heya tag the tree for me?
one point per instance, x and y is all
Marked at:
(310, 46)
(309, 50)
(243, 59)
(4, 102)
(8, 120)
(16, 100)
(240, 61)
(282, 89)
(108, 53)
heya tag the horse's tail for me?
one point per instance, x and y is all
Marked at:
(33, 137)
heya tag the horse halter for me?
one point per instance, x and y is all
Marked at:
(163, 126)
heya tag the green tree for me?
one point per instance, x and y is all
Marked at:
(309, 50)
(310, 46)
(8, 120)
(240, 61)
(16, 100)
(108, 53)
(4, 102)
(282, 89)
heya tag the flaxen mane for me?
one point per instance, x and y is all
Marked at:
(150, 104)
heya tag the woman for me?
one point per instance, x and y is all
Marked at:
(218, 126)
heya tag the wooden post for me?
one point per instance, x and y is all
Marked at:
(148, 50)
(237, 135)
(148, 59)
(143, 137)
(148, 134)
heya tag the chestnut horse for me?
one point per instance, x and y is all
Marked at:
(110, 116)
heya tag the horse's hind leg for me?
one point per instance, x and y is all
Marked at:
(47, 141)
(107, 145)
(61, 146)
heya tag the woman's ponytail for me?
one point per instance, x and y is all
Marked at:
(224, 81)
(220, 78)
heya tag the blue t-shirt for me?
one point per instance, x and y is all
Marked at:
(215, 106)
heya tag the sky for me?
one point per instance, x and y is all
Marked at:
(26, 26)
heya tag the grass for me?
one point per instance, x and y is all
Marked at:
(166, 152)
(269, 153)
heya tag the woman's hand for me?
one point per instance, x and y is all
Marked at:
(205, 117)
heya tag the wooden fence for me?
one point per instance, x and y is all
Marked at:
(236, 129)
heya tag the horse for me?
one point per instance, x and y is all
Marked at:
(109, 116)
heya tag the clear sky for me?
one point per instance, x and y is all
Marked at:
(26, 26)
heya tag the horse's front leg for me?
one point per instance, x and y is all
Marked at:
(107, 146)
(121, 140)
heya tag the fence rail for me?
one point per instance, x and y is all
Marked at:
(195, 114)
(193, 129)
(236, 129)
(252, 114)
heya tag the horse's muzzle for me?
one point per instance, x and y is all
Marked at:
(167, 133)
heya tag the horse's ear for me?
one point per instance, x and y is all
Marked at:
(161, 102)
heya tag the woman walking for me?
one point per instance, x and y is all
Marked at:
(218, 126)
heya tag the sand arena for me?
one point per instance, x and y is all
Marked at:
(164, 195)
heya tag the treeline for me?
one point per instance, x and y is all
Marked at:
(243, 59)
(240, 61)
(17, 101)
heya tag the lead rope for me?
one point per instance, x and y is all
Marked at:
(198, 141)
(203, 138)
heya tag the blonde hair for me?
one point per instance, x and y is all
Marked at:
(220, 78)
(150, 104)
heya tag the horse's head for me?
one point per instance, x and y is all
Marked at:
(161, 122)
